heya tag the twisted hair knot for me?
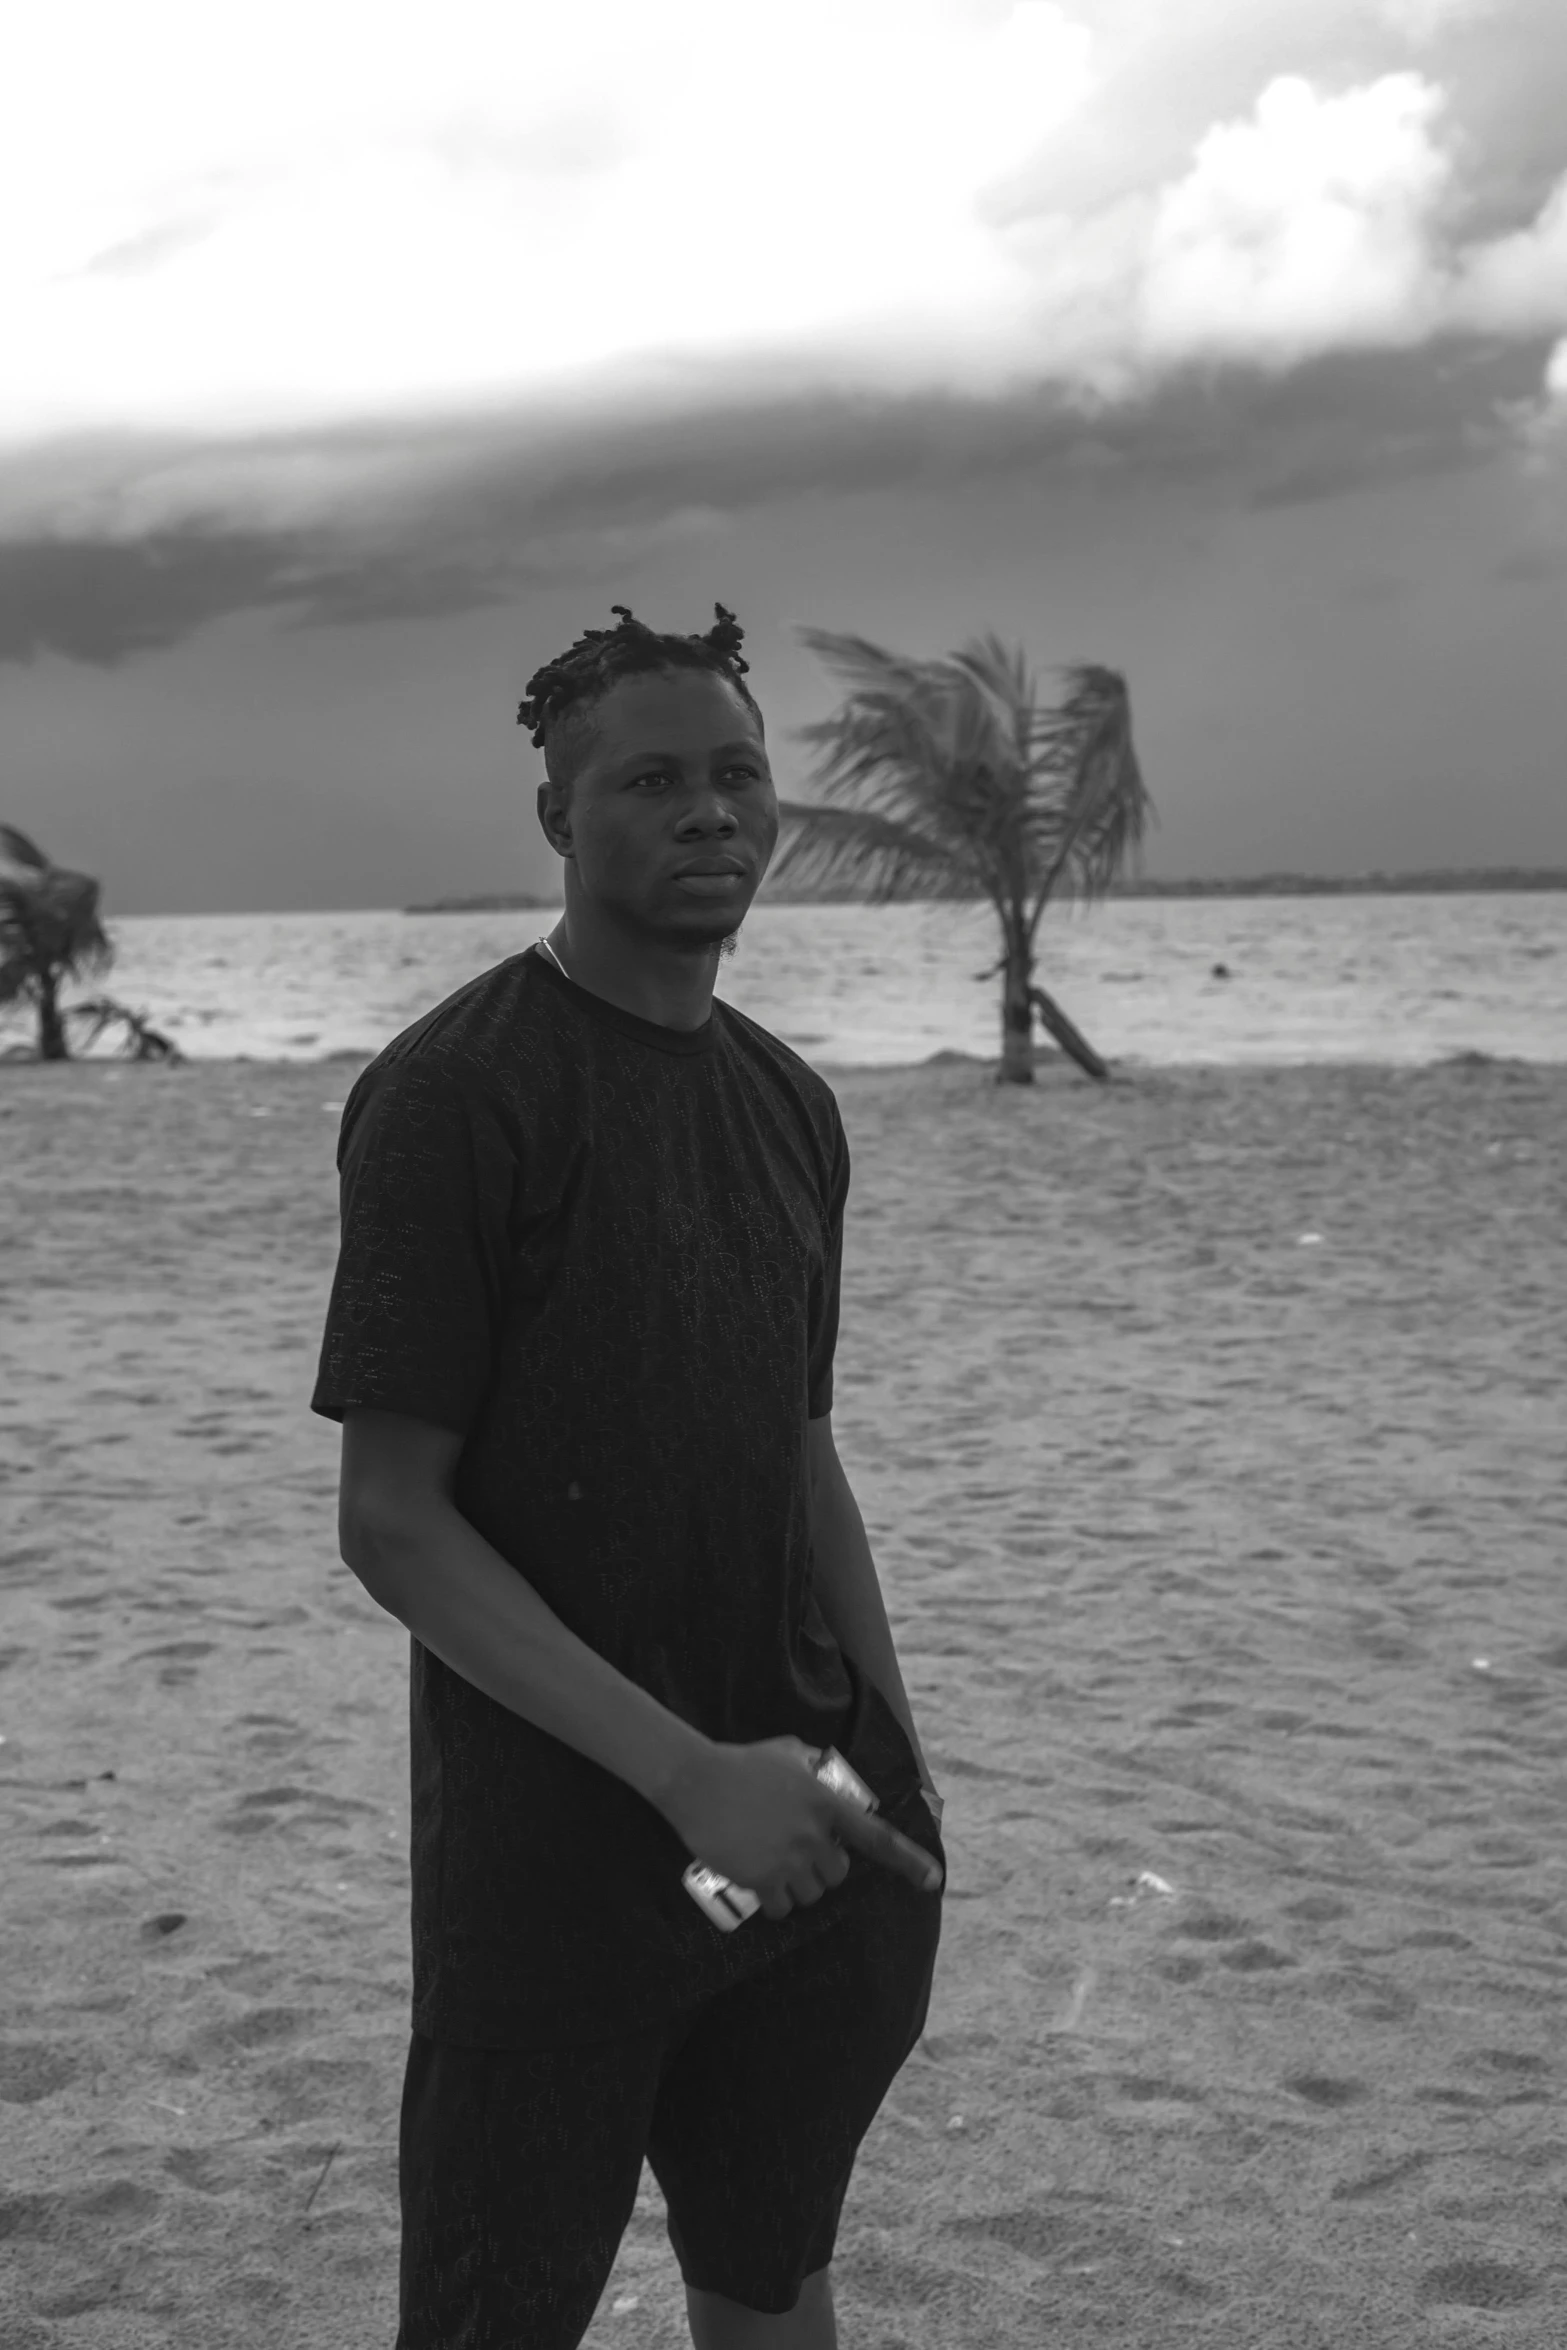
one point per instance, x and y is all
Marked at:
(601, 656)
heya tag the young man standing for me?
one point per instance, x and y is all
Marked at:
(581, 1342)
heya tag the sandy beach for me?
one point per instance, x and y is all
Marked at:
(1209, 1429)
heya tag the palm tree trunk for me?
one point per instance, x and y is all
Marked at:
(51, 1028)
(1017, 1019)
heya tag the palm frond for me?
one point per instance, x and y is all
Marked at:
(947, 778)
(15, 974)
(1102, 805)
(917, 743)
(1001, 673)
(51, 922)
(140, 1042)
(864, 854)
(21, 850)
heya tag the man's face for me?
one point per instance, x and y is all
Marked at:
(669, 772)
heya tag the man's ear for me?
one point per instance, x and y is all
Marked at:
(554, 806)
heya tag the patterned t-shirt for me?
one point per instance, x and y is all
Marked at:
(606, 1253)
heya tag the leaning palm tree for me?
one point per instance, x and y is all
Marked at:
(50, 931)
(948, 779)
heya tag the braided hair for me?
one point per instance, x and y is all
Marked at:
(574, 680)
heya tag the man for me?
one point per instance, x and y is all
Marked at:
(580, 1340)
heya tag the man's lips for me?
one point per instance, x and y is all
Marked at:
(724, 869)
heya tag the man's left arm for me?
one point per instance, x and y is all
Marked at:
(847, 1589)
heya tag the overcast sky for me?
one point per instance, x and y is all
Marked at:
(358, 357)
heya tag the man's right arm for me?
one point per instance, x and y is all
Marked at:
(751, 1811)
(420, 1559)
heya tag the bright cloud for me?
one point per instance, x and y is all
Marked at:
(1424, 20)
(1542, 424)
(1517, 284)
(1306, 228)
(481, 199)
(230, 222)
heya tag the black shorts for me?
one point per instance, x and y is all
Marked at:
(518, 2168)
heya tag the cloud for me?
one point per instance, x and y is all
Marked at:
(1517, 283)
(1541, 424)
(1422, 21)
(491, 206)
(104, 603)
(488, 200)
(1307, 227)
(494, 293)
(466, 515)
(148, 248)
(518, 209)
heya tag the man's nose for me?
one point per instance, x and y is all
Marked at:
(708, 811)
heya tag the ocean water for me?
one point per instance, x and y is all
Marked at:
(1384, 979)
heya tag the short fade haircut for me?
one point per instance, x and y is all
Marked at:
(565, 689)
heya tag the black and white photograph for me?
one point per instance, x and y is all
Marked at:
(783, 1237)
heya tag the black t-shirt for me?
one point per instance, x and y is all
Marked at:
(607, 1254)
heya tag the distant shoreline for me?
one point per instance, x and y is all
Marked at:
(1257, 885)
(521, 903)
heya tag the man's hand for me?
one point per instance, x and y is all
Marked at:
(760, 1816)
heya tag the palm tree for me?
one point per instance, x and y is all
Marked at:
(49, 931)
(947, 779)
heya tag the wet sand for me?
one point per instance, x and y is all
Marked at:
(1217, 1555)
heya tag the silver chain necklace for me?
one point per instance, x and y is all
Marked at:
(555, 959)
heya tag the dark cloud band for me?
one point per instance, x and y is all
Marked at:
(484, 509)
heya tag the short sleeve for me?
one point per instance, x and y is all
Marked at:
(825, 1296)
(426, 1187)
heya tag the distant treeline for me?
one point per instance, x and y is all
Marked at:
(1258, 885)
(1329, 885)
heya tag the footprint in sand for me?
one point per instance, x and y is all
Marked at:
(30, 2071)
(259, 2027)
(1390, 2006)
(315, 2088)
(1318, 1909)
(79, 2226)
(1213, 1926)
(112, 2203)
(1507, 2060)
(1144, 2091)
(256, 1813)
(1377, 2182)
(1478, 2284)
(180, 1659)
(1516, 2068)
(1255, 1958)
(1325, 2089)
(95, 2290)
(1180, 1970)
(1084, 2235)
(207, 2170)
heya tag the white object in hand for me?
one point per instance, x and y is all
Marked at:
(728, 1904)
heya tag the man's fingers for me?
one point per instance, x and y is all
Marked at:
(878, 1842)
